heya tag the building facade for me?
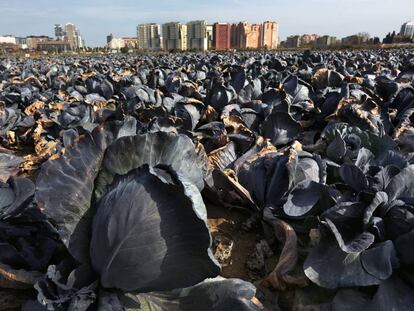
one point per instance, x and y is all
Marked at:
(209, 33)
(149, 37)
(357, 39)
(8, 39)
(21, 42)
(308, 39)
(6, 48)
(407, 29)
(222, 36)
(33, 41)
(174, 36)
(292, 42)
(131, 42)
(197, 38)
(326, 42)
(270, 35)
(253, 36)
(197, 35)
(73, 36)
(70, 35)
(116, 44)
(109, 38)
(59, 32)
(240, 30)
(234, 36)
(53, 46)
(249, 36)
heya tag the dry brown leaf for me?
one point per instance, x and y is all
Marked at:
(210, 114)
(17, 279)
(32, 108)
(280, 278)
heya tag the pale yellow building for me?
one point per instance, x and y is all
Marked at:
(270, 35)
(174, 36)
(197, 35)
(149, 37)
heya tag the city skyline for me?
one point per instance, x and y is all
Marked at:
(199, 36)
(98, 18)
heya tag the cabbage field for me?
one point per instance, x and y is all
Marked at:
(208, 182)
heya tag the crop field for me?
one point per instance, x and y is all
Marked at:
(238, 181)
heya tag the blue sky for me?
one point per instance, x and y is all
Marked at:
(97, 18)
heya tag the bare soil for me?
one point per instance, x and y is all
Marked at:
(228, 223)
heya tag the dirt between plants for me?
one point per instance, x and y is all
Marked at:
(231, 244)
(241, 254)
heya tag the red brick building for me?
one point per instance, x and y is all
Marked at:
(221, 36)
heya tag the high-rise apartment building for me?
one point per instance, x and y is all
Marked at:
(109, 38)
(79, 40)
(254, 37)
(270, 35)
(73, 37)
(197, 35)
(174, 36)
(197, 38)
(149, 37)
(209, 33)
(301, 41)
(245, 35)
(70, 35)
(234, 36)
(357, 39)
(143, 37)
(222, 36)
(249, 35)
(240, 29)
(59, 32)
(407, 29)
(293, 42)
(326, 42)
